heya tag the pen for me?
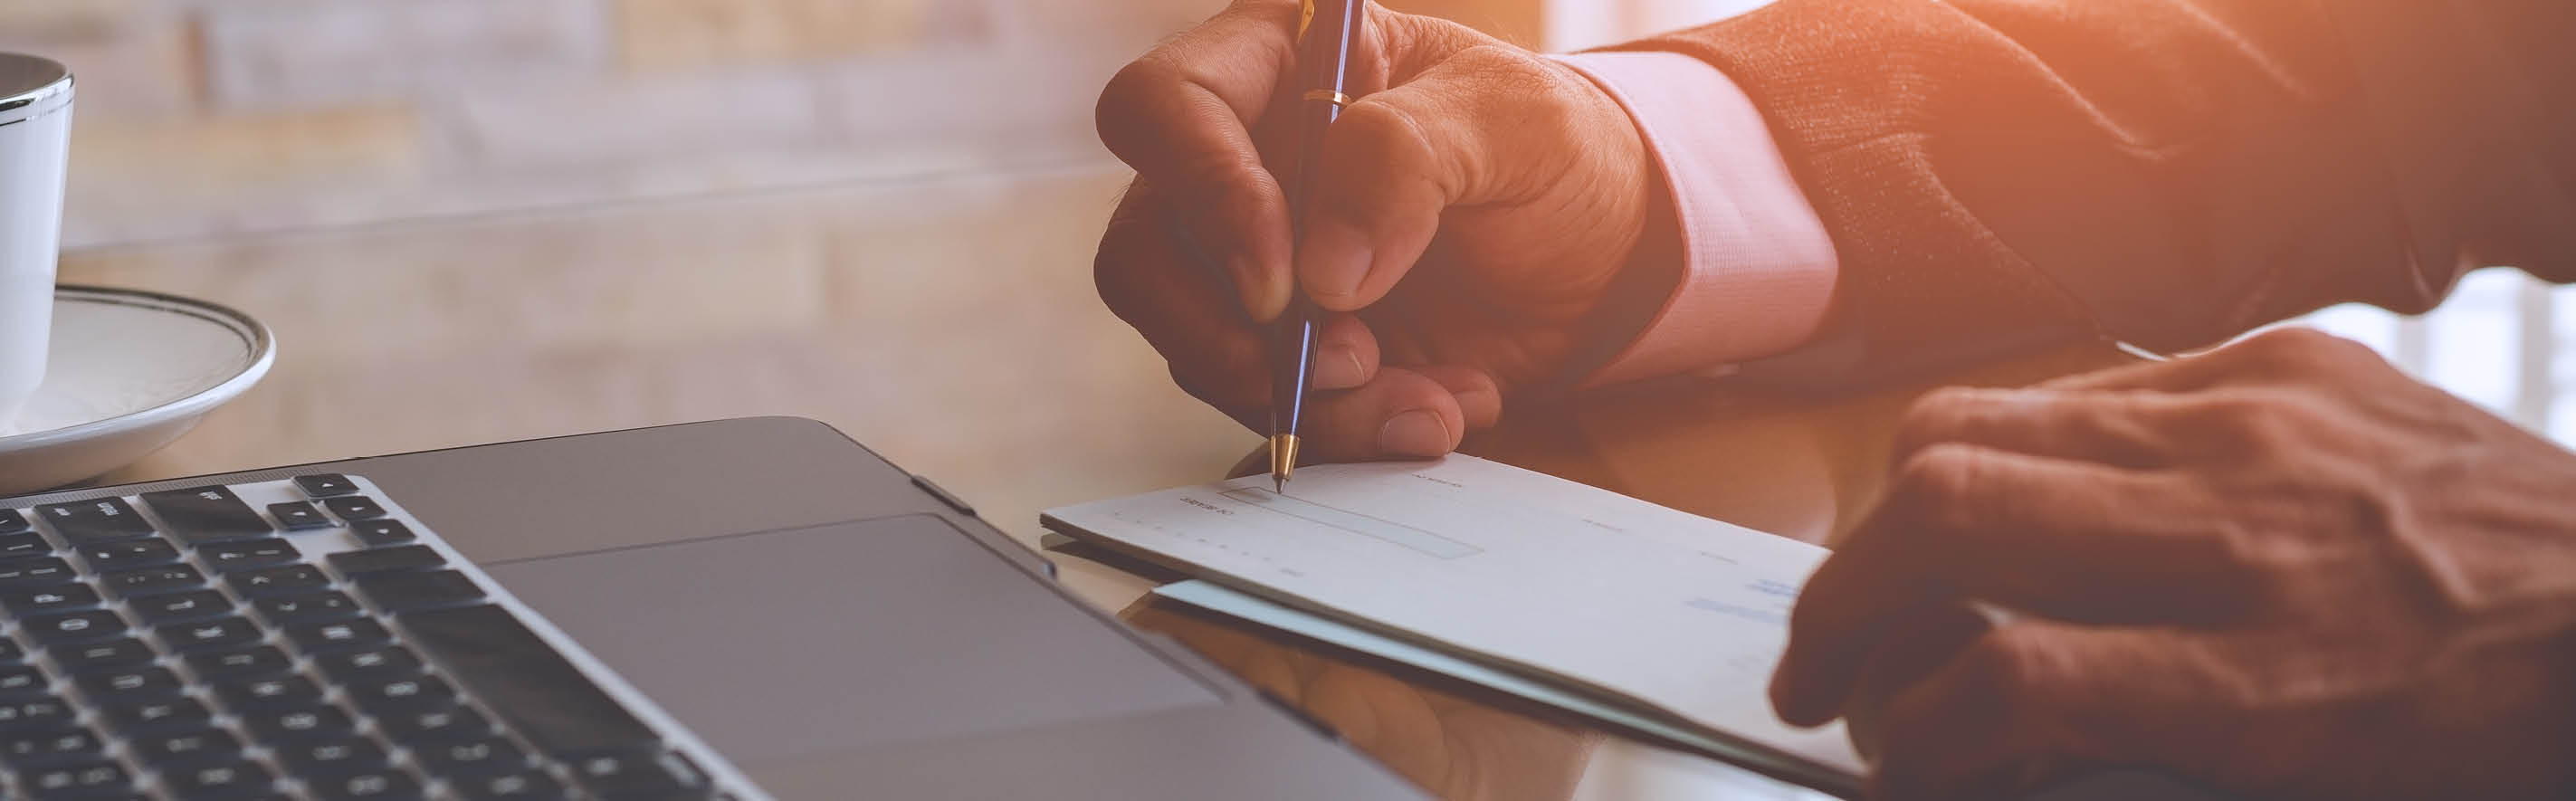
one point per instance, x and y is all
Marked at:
(1325, 32)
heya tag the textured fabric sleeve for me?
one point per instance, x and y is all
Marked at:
(1996, 174)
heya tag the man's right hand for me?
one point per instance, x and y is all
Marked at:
(1472, 206)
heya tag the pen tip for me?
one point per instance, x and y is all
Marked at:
(1283, 460)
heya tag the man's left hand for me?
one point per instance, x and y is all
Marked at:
(2281, 568)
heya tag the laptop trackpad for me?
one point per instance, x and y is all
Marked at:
(845, 636)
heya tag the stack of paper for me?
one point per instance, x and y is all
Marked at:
(1645, 617)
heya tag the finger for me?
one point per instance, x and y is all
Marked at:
(1928, 639)
(2114, 427)
(1346, 353)
(1394, 161)
(1480, 398)
(1145, 278)
(1399, 414)
(2067, 540)
(1178, 115)
(2032, 698)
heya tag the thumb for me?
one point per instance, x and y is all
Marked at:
(1399, 158)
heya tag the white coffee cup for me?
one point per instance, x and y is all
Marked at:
(35, 128)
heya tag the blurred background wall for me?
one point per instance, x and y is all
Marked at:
(210, 118)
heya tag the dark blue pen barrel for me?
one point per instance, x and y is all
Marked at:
(1324, 56)
(1292, 339)
(1292, 348)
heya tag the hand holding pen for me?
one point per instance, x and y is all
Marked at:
(1469, 206)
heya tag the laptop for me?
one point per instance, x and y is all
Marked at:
(742, 609)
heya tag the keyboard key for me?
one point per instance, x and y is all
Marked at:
(78, 780)
(128, 686)
(184, 746)
(148, 580)
(101, 520)
(239, 663)
(354, 507)
(527, 785)
(280, 579)
(38, 571)
(435, 726)
(81, 626)
(207, 514)
(182, 605)
(129, 553)
(381, 784)
(10, 652)
(402, 592)
(37, 714)
(227, 779)
(296, 725)
(622, 773)
(518, 675)
(332, 757)
(273, 693)
(336, 634)
(298, 515)
(380, 662)
(52, 747)
(378, 560)
(225, 632)
(240, 554)
(409, 693)
(49, 599)
(281, 610)
(23, 680)
(481, 757)
(162, 715)
(119, 652)
(381, 531)
(324, 485)
(12, 522)
(23, 544)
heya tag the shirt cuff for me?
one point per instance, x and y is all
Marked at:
(1758, 268)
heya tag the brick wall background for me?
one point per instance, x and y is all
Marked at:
(209, 118)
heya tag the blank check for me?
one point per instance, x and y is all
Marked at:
(1649, 608)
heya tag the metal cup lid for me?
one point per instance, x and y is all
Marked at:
(32, 87)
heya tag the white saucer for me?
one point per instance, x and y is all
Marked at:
(127, 372)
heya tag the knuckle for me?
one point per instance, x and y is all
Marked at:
(1222, 171)
(1382, 128)
(1384, 157)
(2303, 347)
(1936, 416)
(1127, 93)
(2248, 419)
(1937, 487)
(2012, 670)
(1116, 268)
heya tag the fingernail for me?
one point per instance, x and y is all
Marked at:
(1338, 367)
(1416, 433)
(1332, 260)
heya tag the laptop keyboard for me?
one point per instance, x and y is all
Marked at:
(300, 639)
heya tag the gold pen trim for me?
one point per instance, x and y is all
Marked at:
(1330, 96)
(1283, 459)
